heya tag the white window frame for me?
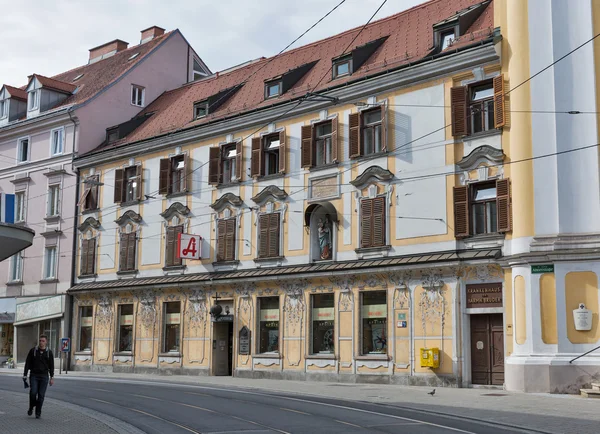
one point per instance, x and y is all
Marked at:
(53, 201)
(50, 262)
(135, 89)
(3, 108)
(13, 262)
(20, 141)
(22, 208)
(61, 131)
(34, 95)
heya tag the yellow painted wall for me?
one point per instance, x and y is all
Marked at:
(508, 311)
(520, 311)
(582, 287)
(548, 308)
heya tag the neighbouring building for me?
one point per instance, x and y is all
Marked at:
(352, 204)
(43, 125)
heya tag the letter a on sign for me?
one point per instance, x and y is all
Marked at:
(189, 246)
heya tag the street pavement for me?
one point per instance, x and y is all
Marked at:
(232, 405)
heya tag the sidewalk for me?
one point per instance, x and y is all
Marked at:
(543, 412)
(57, 418)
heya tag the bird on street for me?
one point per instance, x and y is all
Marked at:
(431, 393)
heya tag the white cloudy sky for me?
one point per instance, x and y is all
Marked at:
(51, 36)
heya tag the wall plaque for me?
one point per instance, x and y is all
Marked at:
(244, 341)
(484, 295)
(324, 188)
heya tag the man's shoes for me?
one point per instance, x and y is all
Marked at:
(37, 416)
(30, 412)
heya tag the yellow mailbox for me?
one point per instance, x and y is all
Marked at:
(430, 358)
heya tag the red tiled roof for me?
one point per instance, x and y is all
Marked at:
(16, 92)
(51, 83)
(410, 39)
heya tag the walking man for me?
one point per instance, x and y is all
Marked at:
(40, 361)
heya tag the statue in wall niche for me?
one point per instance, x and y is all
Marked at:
(325, 237)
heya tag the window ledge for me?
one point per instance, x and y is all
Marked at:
(174, 269)
(173, 354)
(131, 273)
(178, 194)
(274, 262)
(368, 252)
(226, 265)
(123, 354)
(482, 134)
(230, 184)
(87, 276)
(52, 218)
(130, 203)
(370, 156)
(268, 356)
(89, 211)
(374, 357)
(321, 356)
(54, 232)
(14, 283)
(53, 280)
(485, 240)
(55, 172)
(83, 353)
(323, 167)
(268, 177)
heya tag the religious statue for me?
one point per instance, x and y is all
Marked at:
(325, 238)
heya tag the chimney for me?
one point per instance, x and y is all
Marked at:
(151, 33)
(106, 50)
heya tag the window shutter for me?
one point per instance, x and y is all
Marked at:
(503, 205)
(221, 235)
(239, 160)
(84, 258)
(378, 222)
(187, 172)
(123, 252)
(354, 139)
(230, 239)
(384, 135)
(91, 256)
(282, 153)
(366, 214)
(118, 197)
(170, 248)
(499, 102)
(214, 165)
(274, 232)
(140, 181)
(256, 161)
(263, 242)
(164, 181)
(176, 259)
(307, 145)
(334, 140)
(458, 104)
(461, 211)
(131, 250)
(94, 193)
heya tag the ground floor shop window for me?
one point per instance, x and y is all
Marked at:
(172, 321)
(51, 328)
(269, 324)
(125, 338)
(85, 328)
(323, 320)
(374, 322)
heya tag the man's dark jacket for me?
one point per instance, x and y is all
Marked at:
(40, 363)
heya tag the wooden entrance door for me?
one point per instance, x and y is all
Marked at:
(487, 349)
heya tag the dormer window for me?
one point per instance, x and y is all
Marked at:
(3, 109)
(33, 99)
(78, 77)
(112, 135)
(447, 38)
(138, 94)
(200, 109)
(272, 89)
(342, 67)
(349, 63)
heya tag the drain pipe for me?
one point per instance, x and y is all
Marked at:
(74, 249)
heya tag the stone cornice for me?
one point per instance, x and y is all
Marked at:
(480, 154)
(374, 172)
(131, 216)
(89, 222)
(227, 198)
(270, 191)
(483, 53)
(175, 208)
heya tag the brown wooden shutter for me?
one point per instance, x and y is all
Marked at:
(131, 250)
(274, 232)
(282, 153)
(170, 246)
(123, 252)
(378, 222)
(91, 256)
(230, 239)
(83, 260)
(118, 197)
(499, 102)
(164, 180)
(461, 211)
(239, 160)
(458, 104)
(366, 220)
(334, 140)
(503, 205)
(263, 235)
(187, 172)
(384, 128)
(221, 243)
(214, 165)
(94, 189)
(176, 259)
(140, 182)
(307, 145)
(354, 139)
(256, 160)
